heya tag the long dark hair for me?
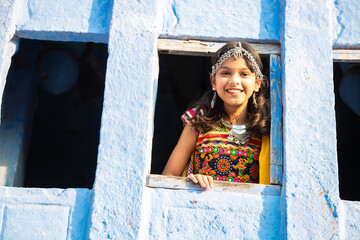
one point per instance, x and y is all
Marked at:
(259, 116)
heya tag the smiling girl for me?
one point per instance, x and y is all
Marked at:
(226, 133)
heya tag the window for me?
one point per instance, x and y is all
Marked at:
(347, 107)
(183, 78)
(60, 86)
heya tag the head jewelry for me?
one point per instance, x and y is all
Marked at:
(237, 52)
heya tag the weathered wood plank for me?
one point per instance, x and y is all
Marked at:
(206, 48)
(181, 183)
(346, 55)
(276, 140)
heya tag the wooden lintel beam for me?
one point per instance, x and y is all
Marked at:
(346, 55)
(206, 48)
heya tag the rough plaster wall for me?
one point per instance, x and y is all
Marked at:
(43, 213)
(205, 19)
(181, 214)
(350, 222)
(125, 141)
(311, 180)
(346, 31)
(66, 20)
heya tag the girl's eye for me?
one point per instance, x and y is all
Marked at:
(245, 74)
(225, 73)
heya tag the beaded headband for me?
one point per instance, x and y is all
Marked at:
(237, 52)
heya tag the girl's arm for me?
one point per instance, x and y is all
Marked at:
(181, 154)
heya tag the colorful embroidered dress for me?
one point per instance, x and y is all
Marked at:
(222, 158)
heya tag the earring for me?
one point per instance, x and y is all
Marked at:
(212, 104)
(254, 100)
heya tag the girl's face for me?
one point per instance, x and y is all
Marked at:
(235, 83)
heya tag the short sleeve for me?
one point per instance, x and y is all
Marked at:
(189, 117)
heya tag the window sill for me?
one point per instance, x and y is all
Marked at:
(181, 183)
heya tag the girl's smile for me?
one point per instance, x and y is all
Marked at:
(234, 91)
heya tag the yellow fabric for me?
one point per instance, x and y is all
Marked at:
(264, 161)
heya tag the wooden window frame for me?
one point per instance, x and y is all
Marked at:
(207, 48)
(346, 55)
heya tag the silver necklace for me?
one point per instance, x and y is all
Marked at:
(236, 137)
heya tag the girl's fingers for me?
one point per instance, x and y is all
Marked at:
(211, 181)
(193, 178)
(206, 181)
(203, 180)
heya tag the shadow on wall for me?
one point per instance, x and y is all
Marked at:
(269, 20)
(270, 218)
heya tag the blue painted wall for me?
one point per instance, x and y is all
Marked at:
(121, 206)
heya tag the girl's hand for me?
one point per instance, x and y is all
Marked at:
(204, 180)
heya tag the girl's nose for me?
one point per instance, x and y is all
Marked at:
(236, 79)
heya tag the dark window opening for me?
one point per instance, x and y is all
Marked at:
(68, 97)
(347, 107)
(182, 80)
